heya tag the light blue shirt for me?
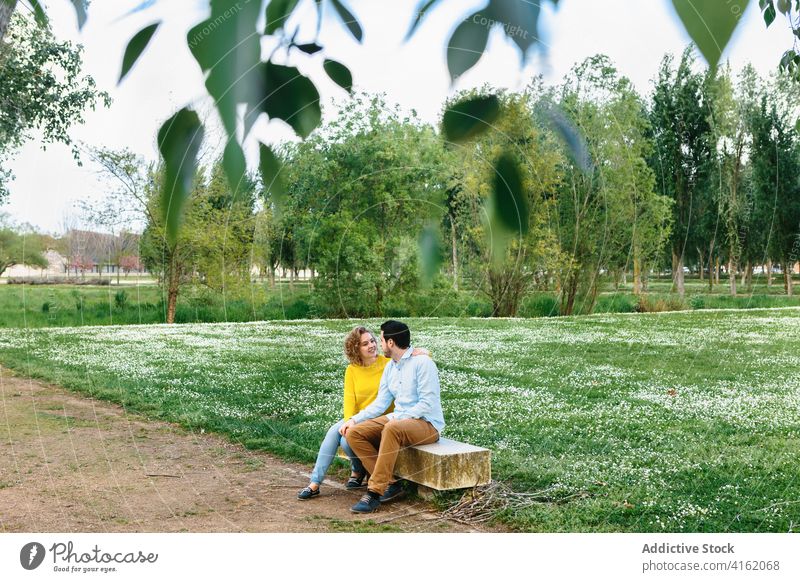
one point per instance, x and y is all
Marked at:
(413, 383)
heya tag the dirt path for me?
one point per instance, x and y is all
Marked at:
(73, 464)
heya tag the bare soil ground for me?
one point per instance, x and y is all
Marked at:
(69, 463)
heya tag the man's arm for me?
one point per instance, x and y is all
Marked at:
(378, 406)
(427, 388)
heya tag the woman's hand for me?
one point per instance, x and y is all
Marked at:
(420, 352)
(346, 426)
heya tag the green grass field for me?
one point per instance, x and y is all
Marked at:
(33, 306)
(684, 421)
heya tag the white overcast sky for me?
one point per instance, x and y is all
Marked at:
(634, 33)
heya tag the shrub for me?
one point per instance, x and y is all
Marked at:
(478, 308)
(79, 303)
(120, 299)
(298, 309)
(648, 304)
(540, 305)
(697, 302)
(616, 303)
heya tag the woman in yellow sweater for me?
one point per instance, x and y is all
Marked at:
(361, 381)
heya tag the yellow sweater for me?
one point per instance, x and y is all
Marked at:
(361, 386)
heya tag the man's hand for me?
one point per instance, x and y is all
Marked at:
(420, 352)
(346, 426)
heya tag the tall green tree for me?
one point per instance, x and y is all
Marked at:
(212, 249)
(360, 193)
(610, 218)
(684, 152)
(42, 89)
(224, 225)
(504, 262)
(732, 110)
(776, 184)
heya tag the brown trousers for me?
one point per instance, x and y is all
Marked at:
(378, 441)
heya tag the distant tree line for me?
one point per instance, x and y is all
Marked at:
(701, 175)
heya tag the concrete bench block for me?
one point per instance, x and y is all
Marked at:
(444, 465)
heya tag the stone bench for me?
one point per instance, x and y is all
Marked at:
(444, 465)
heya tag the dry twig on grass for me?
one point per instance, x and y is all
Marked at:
(480, 504)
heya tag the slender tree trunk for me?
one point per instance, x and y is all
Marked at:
(572, 291)
(677, 273)
(702, 263)
(173, 284)
(455, 254)
(769, 273)
(637, 273)
(271, 277)
(732, 276)
(787, 278)
(748, 276)
(592, 298)
(6, 10)
(710, 273)
(716, 270)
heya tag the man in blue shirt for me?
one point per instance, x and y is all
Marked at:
(376, 438)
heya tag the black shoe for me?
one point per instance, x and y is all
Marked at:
(307, 493)
(356, 482)
(368, 503)
(394, 491)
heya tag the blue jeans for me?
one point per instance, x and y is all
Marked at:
(327, 451)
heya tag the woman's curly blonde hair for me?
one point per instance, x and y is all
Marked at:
(352, 343)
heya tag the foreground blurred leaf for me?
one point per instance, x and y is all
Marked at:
(470, 117)
(520, 21)
(227, 48)
(179, 141)
(235, 165)
(419, 14)
(278, 11)
(270, 167)
(310, 48)
(509, 203)
(710, 23)
(339, 74)
(769, 11)
(349, 20)
(430, 253)
(38, 13)
(292, 98)
(573, 139)
(466, 46)
(135, 47)
(80, 11)
(141, 7)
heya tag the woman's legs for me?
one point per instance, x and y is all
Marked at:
(355, 463)
(327, 451)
